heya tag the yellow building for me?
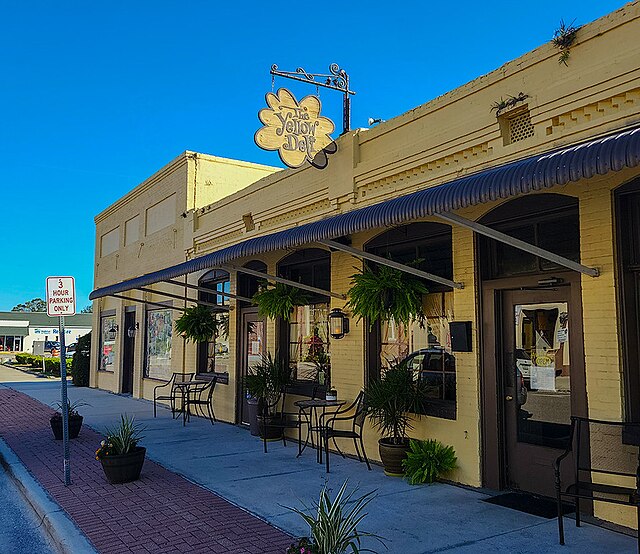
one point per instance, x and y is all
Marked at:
(450, 183)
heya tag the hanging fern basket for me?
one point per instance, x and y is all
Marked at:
(198, 324)
(279, 300)
(386, 293)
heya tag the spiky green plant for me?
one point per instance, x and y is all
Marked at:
(394, 400)
(72, 407)
(386, 293)
(124, 437)
(563, 39)
(334, 523)
(428, 460)
(266, 380)
(199, 324)
(279, 300)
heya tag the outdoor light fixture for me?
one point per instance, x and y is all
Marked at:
(131, 331)
(338, 323)
(374, 120)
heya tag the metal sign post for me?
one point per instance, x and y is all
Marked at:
(61, 301)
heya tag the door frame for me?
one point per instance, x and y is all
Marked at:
(494, 448)
(242, 352)
(128, 352)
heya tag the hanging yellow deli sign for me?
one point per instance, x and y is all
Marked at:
(296, 130)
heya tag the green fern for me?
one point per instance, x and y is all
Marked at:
(279, 300)
(385, 294)
(428, 460)
(200, 324)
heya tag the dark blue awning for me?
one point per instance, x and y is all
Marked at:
(582, 161)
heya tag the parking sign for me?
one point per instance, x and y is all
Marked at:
(61, 296)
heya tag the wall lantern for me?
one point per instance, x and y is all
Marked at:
(338, 323)
(112, 332)
(131, 331)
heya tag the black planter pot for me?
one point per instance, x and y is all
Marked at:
(270, 427)
(75, 423)
(392, 455)
(124, 468)
(253, 417)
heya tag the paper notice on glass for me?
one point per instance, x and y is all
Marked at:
(255, 348)
(562, 335)
(543, 378)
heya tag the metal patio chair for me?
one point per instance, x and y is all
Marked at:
(201, 396)
(599, 454)
(283, 420)
(354, 413)
(173, 391)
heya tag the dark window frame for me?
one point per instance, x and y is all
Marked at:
(217, 280)
(420, 236)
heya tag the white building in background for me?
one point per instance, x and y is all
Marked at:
(19, 330)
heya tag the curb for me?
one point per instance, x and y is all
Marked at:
(62, 531)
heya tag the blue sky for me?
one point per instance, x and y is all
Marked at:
(95, 98)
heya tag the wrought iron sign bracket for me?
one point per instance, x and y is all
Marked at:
(337, 79)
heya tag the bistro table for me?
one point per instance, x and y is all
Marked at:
(315, 410)
(187, 387)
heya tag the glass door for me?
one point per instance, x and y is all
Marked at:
(538, 371)
(253, 347)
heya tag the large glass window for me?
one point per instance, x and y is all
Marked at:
(305, 339)
(426, 347)
(214, 354)
(107, 342)
(159, 326)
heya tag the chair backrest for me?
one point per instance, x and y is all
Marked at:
(597, 447)
(212, 386)
(360, 410)
(182, 377)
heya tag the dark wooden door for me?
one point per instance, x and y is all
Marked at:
(253, 345)
(541, 370)
(128, 352)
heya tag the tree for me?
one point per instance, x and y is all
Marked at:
(35, 305)
(88, 309)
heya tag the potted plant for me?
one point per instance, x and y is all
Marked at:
(278, 301)
(333, 524)
(386, 293)
(119, 454)
(392, 402)
(265, 382)
(75, 419)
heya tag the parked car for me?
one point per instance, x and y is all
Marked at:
(70, 350)
(50, 345)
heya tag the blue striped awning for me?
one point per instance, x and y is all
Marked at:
(560, 167)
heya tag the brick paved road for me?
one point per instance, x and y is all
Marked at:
(160, 513)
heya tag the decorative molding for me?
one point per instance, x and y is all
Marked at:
(619, 102)
(320, 205)
(481, 150)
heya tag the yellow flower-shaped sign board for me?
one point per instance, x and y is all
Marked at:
(296, 130)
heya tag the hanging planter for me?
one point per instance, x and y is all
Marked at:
(278, 301)
(386, 293)
(200, 324)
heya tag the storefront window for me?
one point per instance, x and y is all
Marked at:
(214, 355)
(309, 341)
(107, 342)
(158, 344)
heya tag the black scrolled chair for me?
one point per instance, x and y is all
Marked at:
(173, 392)
(201, 396)
(355, 413)
(598, 450)
(282, 420)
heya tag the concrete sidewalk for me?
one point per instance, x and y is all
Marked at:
(226, 460)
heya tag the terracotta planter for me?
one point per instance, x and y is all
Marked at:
(392, 455)
(75, 424)
(124, 468)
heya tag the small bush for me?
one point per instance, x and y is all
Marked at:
(21, 359)
(428, 460)
(81, 359)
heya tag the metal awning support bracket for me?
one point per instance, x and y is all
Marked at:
(390, 263)
(517, 243)
(277, 279)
